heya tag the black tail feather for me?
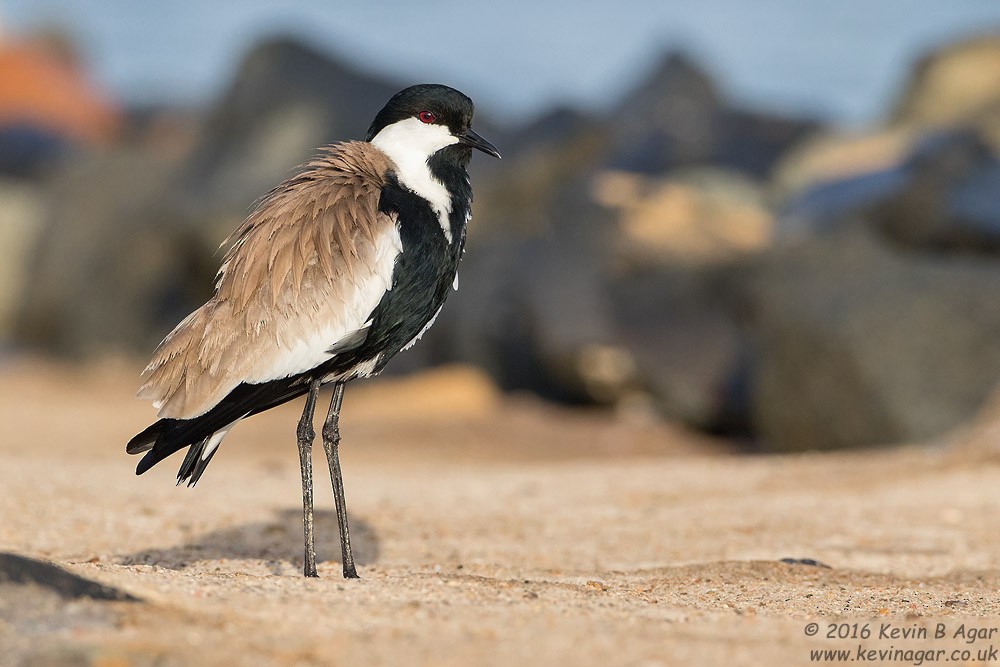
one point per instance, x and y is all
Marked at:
(166, 443)
(145, 441)
(195, 462)
(168, 436)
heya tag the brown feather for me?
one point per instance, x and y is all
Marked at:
(290, 269)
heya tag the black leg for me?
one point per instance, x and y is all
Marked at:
(306, 434)
(331, 443)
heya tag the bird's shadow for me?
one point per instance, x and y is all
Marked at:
(276, 542)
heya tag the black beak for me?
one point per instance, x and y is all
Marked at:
(470, 138)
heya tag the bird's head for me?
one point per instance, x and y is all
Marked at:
(424, 119)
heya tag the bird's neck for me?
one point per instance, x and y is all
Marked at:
(448, 166)
(440, 179)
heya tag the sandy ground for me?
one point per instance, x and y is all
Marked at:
(488, 530)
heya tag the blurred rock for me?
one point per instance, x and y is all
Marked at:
(523, 194)
(672, 119)
(286, 100)
(836, 157)
(953, 84)
(689, 217)
(21, 221)
(47, 106)
(677, 118)
(753, 142)
(534, 312)
(681, 247)
(623, 299)
(928, 180)
(949, 199)
(859, 344)
(533, 307)
(169, 132)
(609, 285)
(874, 317)
(944, 196)
(682, 325)
(115, 267)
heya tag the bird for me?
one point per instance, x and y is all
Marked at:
(335, 271)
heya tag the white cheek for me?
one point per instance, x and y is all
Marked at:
(412, 138)
(410, 143)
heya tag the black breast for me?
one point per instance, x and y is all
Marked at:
(422, 278)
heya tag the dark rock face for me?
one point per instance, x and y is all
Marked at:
(875, 315)
(531, 327)
(287, 99)
(677, 119)
(683, 327)
(21, 223)
(572, 305)
(948, 199)
(48, 108)
(943, 198)
(628, 258)
(671, 120)
(859, 344)
(29, 152)
(113, 268)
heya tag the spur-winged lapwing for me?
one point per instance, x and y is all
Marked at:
(336, 270)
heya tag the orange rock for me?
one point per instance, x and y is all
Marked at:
(40, 89)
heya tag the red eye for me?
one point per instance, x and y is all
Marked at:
(426, 117)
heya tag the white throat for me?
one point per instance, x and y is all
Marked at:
(410, 143)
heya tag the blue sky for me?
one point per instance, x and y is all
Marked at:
(839, 60)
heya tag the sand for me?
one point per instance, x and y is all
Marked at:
(488, 530)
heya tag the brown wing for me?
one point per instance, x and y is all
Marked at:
(304, 270)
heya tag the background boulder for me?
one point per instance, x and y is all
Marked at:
(21, 222)
(740, 272)
(874, 315)
(952, 84)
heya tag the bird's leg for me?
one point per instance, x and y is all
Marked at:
(331, 443)
(306, 434)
